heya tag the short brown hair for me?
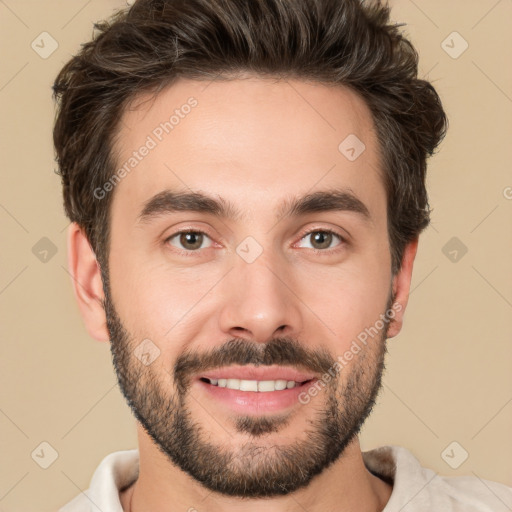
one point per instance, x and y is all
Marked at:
(155, 42)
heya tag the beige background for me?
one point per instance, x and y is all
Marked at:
(449, 372)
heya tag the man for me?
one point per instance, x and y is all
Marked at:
(246, 181)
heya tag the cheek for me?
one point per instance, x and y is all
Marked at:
(345, 301)
(161, 300)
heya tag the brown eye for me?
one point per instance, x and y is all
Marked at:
(322, 239)
(188, 240)
(191, 240)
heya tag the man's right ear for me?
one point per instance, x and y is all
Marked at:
(87, 283)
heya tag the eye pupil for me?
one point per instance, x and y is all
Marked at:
(187, 239)
(323, 238)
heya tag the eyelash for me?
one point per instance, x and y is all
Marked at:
(303, 235)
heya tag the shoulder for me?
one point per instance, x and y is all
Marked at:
(418, 489)
(115, 472)
(80, 503)
(472, 493)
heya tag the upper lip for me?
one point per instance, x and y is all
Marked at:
(258, 373)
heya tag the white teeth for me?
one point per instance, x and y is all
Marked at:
(267, 385)
(233, 384)
(280, 385)
(254, 385)
(248, 385)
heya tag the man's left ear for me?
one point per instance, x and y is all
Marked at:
(401, 287)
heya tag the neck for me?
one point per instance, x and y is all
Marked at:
(344, 486)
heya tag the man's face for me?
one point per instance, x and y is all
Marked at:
(264, 299)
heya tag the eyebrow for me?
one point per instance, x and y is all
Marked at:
(169, 201)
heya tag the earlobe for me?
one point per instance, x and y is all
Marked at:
(401, 287)
(87, 283)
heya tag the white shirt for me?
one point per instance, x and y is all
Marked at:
(415, 488)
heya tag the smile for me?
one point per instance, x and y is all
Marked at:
(262, 386)
(248, 389)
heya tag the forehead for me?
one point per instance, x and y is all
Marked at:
(247, 139)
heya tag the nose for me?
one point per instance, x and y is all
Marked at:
(259, 301)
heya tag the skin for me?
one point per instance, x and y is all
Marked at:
(253, 142)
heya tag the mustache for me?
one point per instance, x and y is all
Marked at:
(278, 351)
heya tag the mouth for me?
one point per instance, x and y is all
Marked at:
(255, 386)
(255, 390)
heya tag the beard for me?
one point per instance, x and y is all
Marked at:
(253, 469)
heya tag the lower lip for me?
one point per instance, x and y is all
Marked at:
(254, 402)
